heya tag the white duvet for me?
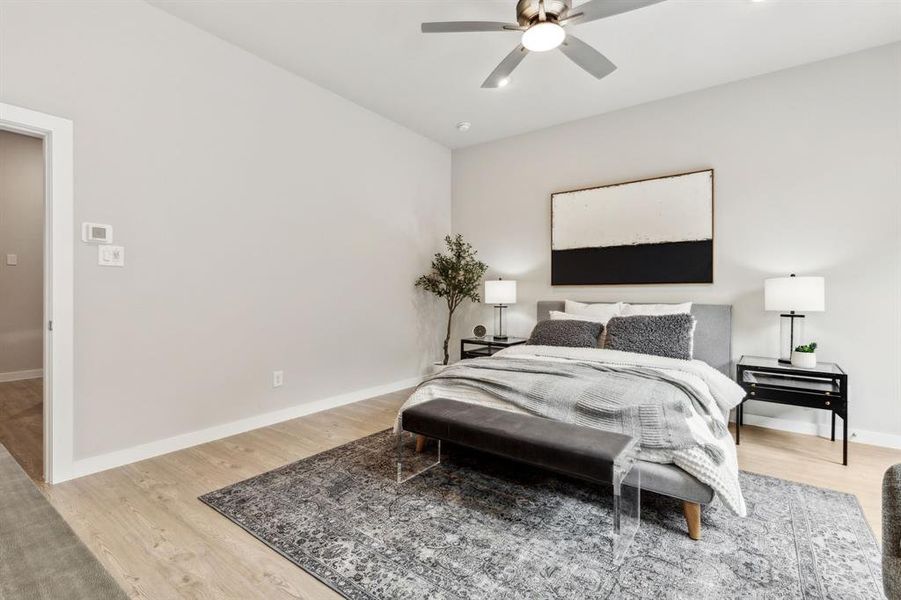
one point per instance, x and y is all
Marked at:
(713, 387)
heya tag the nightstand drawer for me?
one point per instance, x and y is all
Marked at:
(480, 352)
(486, 346)
(822, 400)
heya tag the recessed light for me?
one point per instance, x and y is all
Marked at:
(463, 126)
(503, 82)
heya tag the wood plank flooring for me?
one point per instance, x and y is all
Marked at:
(147, 527)
(818, 461)
(22, 424)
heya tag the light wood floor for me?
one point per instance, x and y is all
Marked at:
(22, 424)
(145, 524)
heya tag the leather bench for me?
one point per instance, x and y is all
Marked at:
(576, 450)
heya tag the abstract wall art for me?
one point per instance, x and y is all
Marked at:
(657, 230)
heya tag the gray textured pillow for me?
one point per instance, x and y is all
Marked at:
(566, 332)
(660, 335)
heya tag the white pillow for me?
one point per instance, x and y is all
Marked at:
(631, 310)
(599, 313)
(557, 315)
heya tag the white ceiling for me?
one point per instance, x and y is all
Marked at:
(372, 52)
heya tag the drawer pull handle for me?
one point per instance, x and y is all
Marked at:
(828, 403)
(753, 385)
(753, 393)
(828, 393)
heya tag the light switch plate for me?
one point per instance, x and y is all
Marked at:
(111, 256)
(12, 260)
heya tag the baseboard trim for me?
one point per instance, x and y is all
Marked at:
(860, 436)
(118, 458)
(21, 375)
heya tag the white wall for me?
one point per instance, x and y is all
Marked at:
(268, 223)
(22, 234)
(807, 180)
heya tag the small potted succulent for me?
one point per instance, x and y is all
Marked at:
(805, 356)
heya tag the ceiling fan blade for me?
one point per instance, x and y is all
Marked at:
(587, 57)
(465, 26)
(500, 74)
(600, 9)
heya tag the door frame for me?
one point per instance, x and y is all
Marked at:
(59, 311)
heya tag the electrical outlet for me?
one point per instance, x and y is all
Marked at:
(278, 378)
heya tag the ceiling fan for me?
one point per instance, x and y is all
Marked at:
(542, 25)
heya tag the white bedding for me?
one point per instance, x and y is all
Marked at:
(713, 387)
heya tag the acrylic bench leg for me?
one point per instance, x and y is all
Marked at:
(414, 457)
(626, 505)
(692, 512)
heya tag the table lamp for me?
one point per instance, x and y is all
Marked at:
(501, 293)
(790, 295)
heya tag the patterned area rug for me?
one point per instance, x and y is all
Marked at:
(477, 527)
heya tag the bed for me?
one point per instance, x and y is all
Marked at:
(713, 346)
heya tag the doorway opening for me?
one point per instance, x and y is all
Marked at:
(55, 388)
(22, 227)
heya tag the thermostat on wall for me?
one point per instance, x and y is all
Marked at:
(97, 232)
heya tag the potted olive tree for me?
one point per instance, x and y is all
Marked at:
(455, 276)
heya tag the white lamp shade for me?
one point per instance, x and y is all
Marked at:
(807, 294)
(500, 291)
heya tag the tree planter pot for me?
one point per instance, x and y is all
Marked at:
(805, 360)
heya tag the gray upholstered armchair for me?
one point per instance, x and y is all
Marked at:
(891, 532)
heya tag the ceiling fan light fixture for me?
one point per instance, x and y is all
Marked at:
(543, 36)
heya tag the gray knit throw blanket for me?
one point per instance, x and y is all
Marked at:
(640, 402)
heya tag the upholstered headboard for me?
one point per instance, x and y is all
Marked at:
(713, 334)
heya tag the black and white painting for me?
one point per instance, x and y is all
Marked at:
(651, 231)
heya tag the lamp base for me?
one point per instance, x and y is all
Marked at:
(792, 335)
(500, 332)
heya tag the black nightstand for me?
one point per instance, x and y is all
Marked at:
(487, 345)
(824, 387)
